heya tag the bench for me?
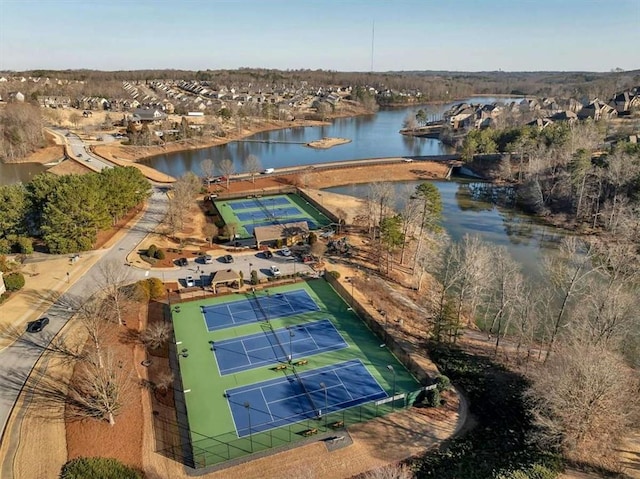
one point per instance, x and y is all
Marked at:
(280, 367)
(310, 432)
(337, 425)
(302, 362)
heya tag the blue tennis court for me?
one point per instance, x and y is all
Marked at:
(268, 213)
(269, 306)
(253, 203)
(272, 346)
(289, 399)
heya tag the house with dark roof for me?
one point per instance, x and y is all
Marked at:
(288, 233)
(147, 115)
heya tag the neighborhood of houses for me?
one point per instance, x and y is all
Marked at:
(152, 101)
(543, 111)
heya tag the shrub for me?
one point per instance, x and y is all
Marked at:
(151, 251)
(254, 276)
(432, 398)
(14, 281)
(4, 296)
(313, 238)
(335, 274)
(443, 383)
(151, 288)
(279, 243)
(159, 254)
(97, 468)
(25, 245)
(156, 288)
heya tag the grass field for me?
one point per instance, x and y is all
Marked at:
(213, 432)
(269, 210)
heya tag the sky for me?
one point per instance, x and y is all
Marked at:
(455, 35)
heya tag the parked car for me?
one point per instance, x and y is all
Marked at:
(267, 254)
(275, 271)
(37, 325)
(182, 261)
(208, 259)
(190, 281)
(408, 160)
(285, 251)
(228, 258)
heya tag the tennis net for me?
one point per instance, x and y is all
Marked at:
(306, 391)
(273, 333)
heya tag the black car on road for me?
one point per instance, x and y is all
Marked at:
(228, 258)
(37, 325)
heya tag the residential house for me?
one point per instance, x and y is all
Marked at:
(2, 286)
(147, 115)
(565, 115)
(541, 123)
(597, 110)
(624, 101)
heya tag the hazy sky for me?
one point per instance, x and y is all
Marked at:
(469, 35)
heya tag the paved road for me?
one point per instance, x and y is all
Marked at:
(78, 149)
(17, 360)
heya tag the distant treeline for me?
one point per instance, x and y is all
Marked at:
(434, 85)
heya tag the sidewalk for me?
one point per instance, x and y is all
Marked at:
(44, 281)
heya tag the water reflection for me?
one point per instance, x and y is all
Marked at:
(466, 210)
(19, 172)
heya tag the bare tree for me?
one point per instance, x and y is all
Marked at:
(567, 270)
(227, 169)
(473, 277)
(99, 390)
(210, 231)
(507, 288)
(253, 167)
(156, 335)
(207, 166)
(113, 278)
(585, 399)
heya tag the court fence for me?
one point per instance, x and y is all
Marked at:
(228, 449)
(406, 358)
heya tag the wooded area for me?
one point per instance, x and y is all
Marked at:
(67, 212)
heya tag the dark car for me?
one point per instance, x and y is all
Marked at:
(267, 254)
(228, 258)
(37, 325)
(182, 261)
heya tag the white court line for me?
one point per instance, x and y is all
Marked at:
(266, 403)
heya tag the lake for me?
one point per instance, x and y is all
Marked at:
(372, 136)
(526, 239)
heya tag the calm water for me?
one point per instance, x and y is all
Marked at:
(22, 172)
(372, 136)
(463, 213)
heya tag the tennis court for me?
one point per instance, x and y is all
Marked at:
(258, 308)
(234, 364)
(279, 345)
(248, 213)
(300, 396)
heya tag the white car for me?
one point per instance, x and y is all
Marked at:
(190, 282)
(275, 271)
(285, 251)
(408, 160)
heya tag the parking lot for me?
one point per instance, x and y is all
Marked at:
(244, 261)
